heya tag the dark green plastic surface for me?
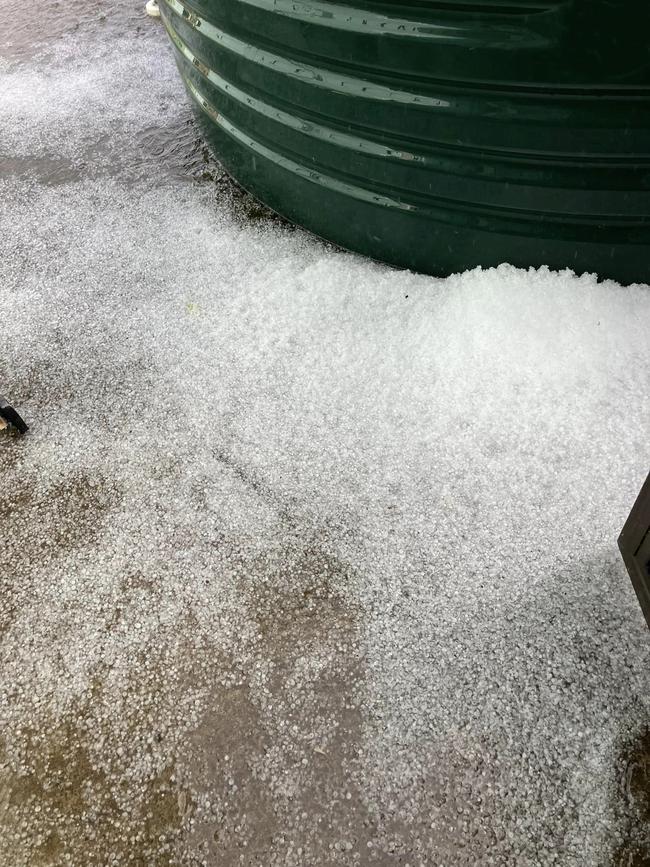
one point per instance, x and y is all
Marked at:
(435, 135)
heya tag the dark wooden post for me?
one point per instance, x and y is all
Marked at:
(634, 543)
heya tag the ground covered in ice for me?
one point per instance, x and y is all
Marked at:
(305, 561)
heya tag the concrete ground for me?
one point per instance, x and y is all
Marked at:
(305, 560)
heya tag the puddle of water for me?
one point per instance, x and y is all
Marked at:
(47, 170)
(173, 149)
(182, 152)
(32, 27)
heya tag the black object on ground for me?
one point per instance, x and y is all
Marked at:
(9, 414)
(634, 543)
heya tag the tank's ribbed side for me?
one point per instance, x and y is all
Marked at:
(432, 135)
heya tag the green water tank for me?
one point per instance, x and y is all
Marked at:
(435, 134)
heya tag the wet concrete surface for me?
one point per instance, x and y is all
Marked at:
(204, 662)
